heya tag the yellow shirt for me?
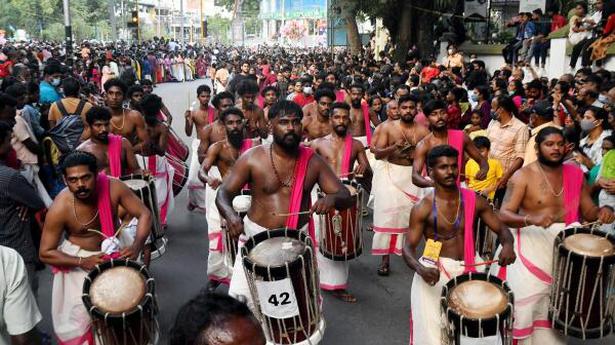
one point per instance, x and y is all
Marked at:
(495, 173)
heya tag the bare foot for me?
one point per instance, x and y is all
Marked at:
(344, 295)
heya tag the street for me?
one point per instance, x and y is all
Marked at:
(379, 317)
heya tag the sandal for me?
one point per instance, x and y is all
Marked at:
(383, 270)
(344, 296)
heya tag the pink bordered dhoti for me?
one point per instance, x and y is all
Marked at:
(217, 269)
(196, 188)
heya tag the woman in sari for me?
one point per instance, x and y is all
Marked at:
(601, 45)
(168, 65)
(189, 68)
(201, 66)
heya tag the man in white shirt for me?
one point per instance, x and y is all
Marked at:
(19, 313)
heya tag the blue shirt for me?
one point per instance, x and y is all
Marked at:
(48, 93)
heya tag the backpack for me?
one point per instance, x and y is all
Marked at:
(68, 130)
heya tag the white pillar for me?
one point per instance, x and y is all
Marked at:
(557, 58)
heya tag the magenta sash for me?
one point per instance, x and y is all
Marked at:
(103, 191)
(455, 139)
(469, 200)
(296, 193)
(211, 115)
(114, 152)
(245, 145)
(368, 127)
(340, 96)
(573, 184)
(347, 155)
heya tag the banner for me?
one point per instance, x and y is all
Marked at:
(530, 5)
(475, 8)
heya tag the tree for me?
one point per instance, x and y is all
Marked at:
(349, 11)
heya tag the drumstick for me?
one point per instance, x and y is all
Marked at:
(481, 263)
(350, 173)
(290, 214)
(591, 223)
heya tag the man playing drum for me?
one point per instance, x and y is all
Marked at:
(394, 193)
(341, 152)
(88, 212)
(541, 199)
(198, 119)
(281, 176)
(114, 154)
(222, 155)
(445, 218)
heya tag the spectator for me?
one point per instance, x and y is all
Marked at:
(539, 44)
(429, 72)
(51, 81)
(474, 128)
(557, 20)
(581, 27)
(70, 104)
(511, 50)
(487, 186)
(598, 50)
(477, 76)
(508, 136)
(453, 109)
(454, 60)
(304, 96)
(216, 319)
(541, 116)
(480, 97)
(594, 123)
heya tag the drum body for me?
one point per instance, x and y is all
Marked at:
(484, 239)
(180, 177)
(583, 291)
(281, 271)
(476, 305)
(241, 205)
(176, 147)
(120, 297)
(341, 237)
(145, 188)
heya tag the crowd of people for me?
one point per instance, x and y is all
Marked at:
(436, 145)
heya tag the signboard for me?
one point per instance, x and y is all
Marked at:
(530, 5)
(475, 8)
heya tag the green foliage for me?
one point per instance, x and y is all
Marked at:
(248, 8)
(219, 28)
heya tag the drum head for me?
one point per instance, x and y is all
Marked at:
(277, 251)
(117, 290)
(589, 245)
(477, 299)
(136, 184)
(241, 203)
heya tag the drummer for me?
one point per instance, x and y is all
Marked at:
(222, 155)
(542, 198)
(88, 212)
(114, 154)
(444, 218)
(341, 152)
(281, 176)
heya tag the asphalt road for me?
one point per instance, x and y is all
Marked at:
(379, 317)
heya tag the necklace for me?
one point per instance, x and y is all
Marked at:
(123, 120)
(410, 145)
(83, 225)
(450, 222)
(549, 183)
(289, 181)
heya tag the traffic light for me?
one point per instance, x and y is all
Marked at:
(134, 19)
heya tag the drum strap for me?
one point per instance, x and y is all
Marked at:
(211, 115)
(455, 139)
(103, 191)
(345, 168)
(114, 153)
(366, 121)
(296, 194)
(573, 183)
(469, 198)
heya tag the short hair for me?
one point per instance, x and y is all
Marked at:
(537, 11)
(133, 89)
(414, 79)
(247, 86)
(203, 88)
(572, 136)
(340, 105)
(52, 68)
(407, 98)
(220, 96)
(324, 92)
(146, 82)
(77, 158)
(7, 100)
(206, 311)
(5, 131)
(508, 104)
(357, 86)
(97, 113)
(583, 4)
(600, 114)
(482, 142)
(271, 88)
(151, 105)
(610, 138)
(483, 90)
(71, 87)
(545, 132)
(535, 84)
(115, 82)
(16, 90)
(231, 111)
(284, 108)
(432, 105)
(440, 151)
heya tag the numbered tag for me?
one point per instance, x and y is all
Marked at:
(432, 251)
(277, 298)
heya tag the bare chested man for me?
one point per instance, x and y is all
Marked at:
(222, 155)
(447, 202)
(256, 125)
(341, 152)
(125, 122)
(360, 117)
(270, 95)
(274, 172)
(394, 193)
(114, 154)
(315, 121)
(215, 131)
(72, 241)
(441, 135)
(541, 200)
(198, 119)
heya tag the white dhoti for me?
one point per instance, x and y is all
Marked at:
(394, 197)
(530, 279)
(217, 270)
(163, 179)
(71, 321)
(196, 188)
(30, 173)
(425, 314)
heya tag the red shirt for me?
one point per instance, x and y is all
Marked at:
(454, 116)
(302, 99)
(610, 25)
(5, 68)
(557, 22)
(428, 73)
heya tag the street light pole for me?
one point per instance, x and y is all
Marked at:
(181, 26)
(68, 31)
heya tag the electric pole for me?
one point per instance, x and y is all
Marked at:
(68, 31)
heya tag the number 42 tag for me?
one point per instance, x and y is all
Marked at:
(277, 298)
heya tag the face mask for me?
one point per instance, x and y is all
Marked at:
(55, 82)
(307, 90)
(587, 125)
(494, 115)
(474, 97)
(450, 52)
(603, 99)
